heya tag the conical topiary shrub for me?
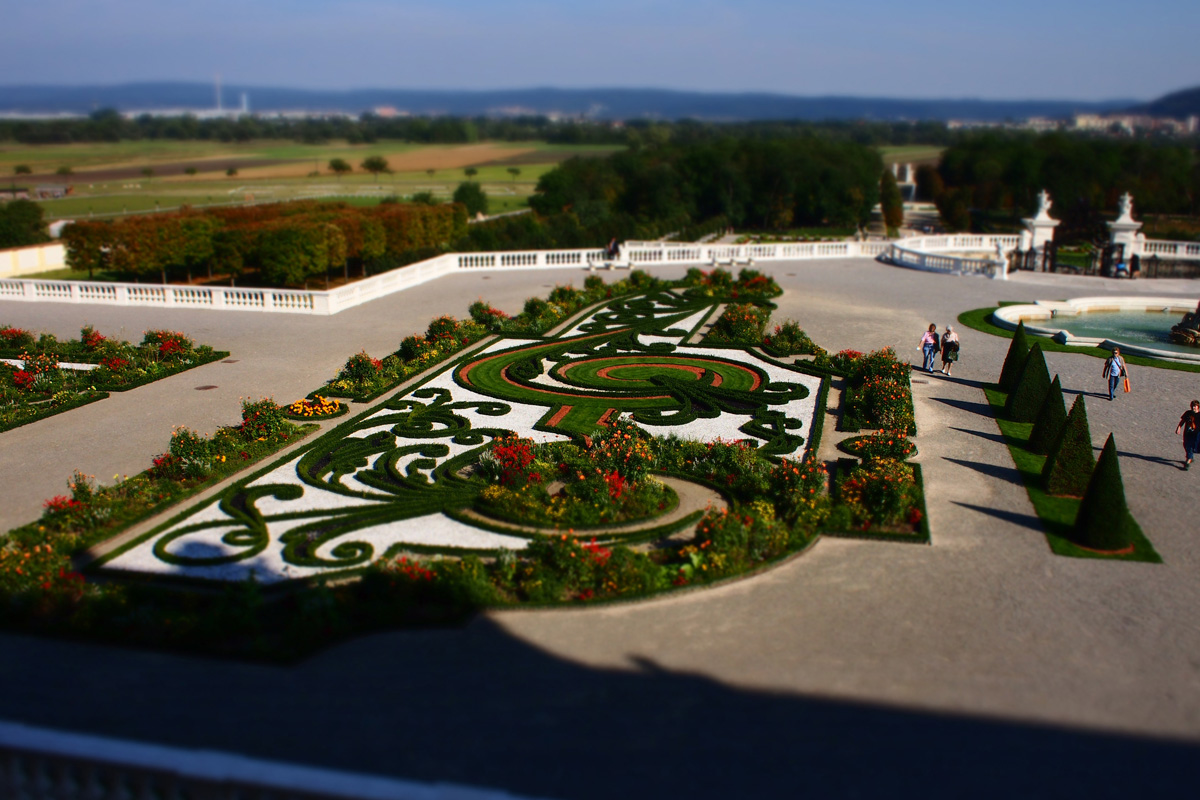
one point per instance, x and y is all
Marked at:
(1027, 396)
(1104, 522)
(1070, 463)
(1050, 420)
(1018, 351)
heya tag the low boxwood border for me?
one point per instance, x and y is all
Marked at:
(922, 536)
(844, 446)
(120, 521)
(978, 319)
(94, 394)
(448, 609)
(78, 401)
(1057, 514)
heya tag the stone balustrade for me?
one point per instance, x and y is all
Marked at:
(946, 254)
(641, 254)
(41, 764)
(1175, 251)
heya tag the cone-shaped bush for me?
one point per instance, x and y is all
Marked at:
(1050, 420)
(1027, 396)
(1104, 522)
(1070, 463)
(1018, 351)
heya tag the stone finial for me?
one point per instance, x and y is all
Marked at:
(1125, 208)
(1044, 204)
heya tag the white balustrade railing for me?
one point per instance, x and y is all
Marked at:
(41, 764)
(644, 254)
(1180, 251)
(944, 254)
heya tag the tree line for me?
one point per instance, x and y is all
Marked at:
(284, 244)
(696, 187)
(107, 125)
(994, 179)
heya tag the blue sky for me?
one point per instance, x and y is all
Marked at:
(921, 48)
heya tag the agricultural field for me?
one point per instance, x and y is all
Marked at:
(135, 177)
(911, 154)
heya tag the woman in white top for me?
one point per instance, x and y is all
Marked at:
(929, 347)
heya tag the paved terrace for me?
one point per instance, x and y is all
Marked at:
(857, 669)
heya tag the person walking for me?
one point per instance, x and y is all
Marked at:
(950, 347)
(1189, 424)
(1114, 370)
(929, 346)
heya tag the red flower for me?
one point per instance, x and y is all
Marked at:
(59, 504)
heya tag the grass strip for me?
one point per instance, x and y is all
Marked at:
(1057, 514)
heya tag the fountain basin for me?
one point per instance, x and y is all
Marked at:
(1138, 325)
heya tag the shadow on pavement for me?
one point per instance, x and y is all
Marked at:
(1001, 472)
(1024, 520)
(480, 707)
(1098, 395)
(970, 406)
(962, 381)
(991, 437)
(1177, 463)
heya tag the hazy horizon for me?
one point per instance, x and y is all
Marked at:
(229, 89)
(1024, 50)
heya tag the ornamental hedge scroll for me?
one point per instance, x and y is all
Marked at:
(399, 477)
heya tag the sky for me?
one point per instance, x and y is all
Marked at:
(1020, 49)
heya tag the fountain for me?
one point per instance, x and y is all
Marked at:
(1138, 325)
(1188, 331)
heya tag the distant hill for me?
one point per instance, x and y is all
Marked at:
(595, 103)
(1181, 104)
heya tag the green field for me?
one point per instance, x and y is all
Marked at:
(911, 153)
(107, 180)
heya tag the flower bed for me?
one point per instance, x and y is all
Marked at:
(599, 409)
(564, 485)
(880, 498)
(882, 444)
(739, 324)
(40, 588)
(750, 286)
(789, 339)
(39, 385)
(316, 407)
(878, 394)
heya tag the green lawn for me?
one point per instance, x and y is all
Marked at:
(1057, 514)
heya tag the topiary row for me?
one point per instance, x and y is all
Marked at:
(1103, 522)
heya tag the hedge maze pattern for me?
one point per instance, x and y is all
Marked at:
(396, 479)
